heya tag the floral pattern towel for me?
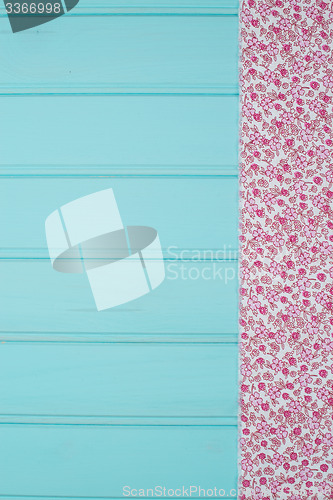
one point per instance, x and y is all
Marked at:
(286, 318)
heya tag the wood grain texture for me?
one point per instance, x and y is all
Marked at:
(97, 461)
(118, 338)
(189, 213)
(141, 97)
(169, 7)
(112, 55)
(123, 130)
(119, 380)
(151, 7)
(118, 171)
(35, 298)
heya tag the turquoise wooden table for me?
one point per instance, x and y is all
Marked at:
(141, 98)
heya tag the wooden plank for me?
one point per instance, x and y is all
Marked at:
(170, 205)
(106, 420)
(169, 7)
(151, 7)
(133, 55)
(126, 130)
(190, 214)
(98, 461)
(195, 298)
(116, 171)
(118, 380)
(118, 338)
(200, 298)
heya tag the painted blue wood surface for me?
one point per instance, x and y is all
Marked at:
(151, 7)
(144, 394)
(97, 461)
(189, 213)
(119, 130)
(118, 380)
(123, 54)
(57, 302)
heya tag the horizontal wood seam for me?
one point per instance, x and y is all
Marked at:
(227, 341)
(13, 94)
(157, 12)
(158, 338)
(118, 421)
(119, 171)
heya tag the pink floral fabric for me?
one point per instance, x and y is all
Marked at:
(286, 313)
